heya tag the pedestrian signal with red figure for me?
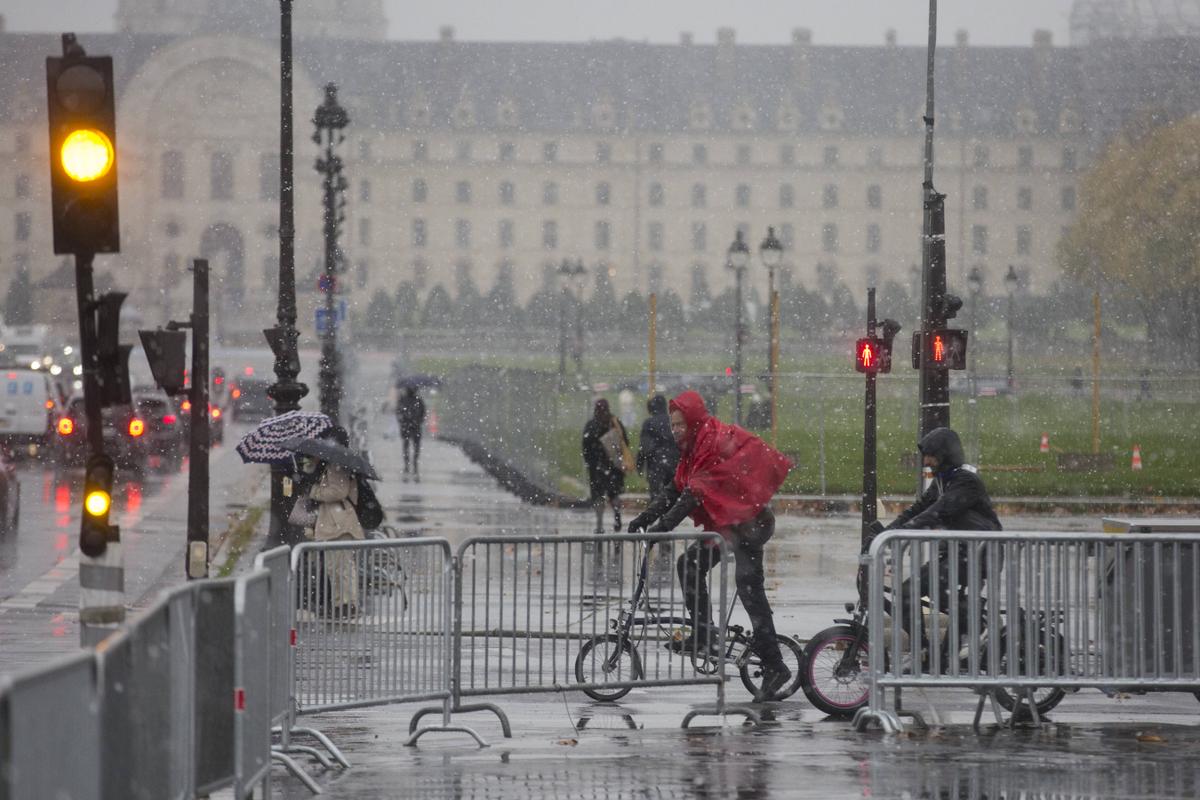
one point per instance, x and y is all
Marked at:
(1136, 464)
(1045, 445)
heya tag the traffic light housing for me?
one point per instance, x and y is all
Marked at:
(167, 353)
(81, 110)
(870, 354)
(112, 357)
(945, 348)
(94, 530)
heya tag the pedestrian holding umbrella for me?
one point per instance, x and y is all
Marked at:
(264, 444)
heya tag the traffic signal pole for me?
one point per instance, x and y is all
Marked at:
(870, 490)
(197, 528)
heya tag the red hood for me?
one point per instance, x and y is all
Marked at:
(691, 405)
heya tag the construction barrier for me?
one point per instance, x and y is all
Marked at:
(1030, 614)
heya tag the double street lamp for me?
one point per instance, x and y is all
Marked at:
(1011, 281)
(736, 259)
(330, 120)
(771, 253)
(573, 273)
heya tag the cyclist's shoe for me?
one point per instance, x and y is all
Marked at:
(688, 646)
(773, 679)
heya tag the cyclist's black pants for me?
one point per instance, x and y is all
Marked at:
(694, 565)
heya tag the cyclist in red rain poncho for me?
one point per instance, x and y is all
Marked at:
(725, 479)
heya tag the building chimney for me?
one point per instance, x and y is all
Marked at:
(889, 37)
(801, 36)
(446, 33)
(801, 42)
(685, 38)
(1043, 38)
(960, 37)
(725, 59)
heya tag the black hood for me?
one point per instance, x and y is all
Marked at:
(657, 404)
(943, 444)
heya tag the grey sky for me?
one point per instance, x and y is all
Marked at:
(991, 22)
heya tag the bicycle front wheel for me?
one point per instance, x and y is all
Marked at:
(607, 659)
(832, 683)
(793, 659)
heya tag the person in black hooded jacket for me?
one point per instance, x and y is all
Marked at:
(658, 455)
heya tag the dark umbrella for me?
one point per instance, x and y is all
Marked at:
(418, 382)
(331, 452)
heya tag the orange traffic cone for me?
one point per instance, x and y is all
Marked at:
(1136, 464)
(1045, 446)
(433, 423)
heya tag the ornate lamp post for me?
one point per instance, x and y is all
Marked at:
(572, 273)
(286, 391)
(771, 253)
(329, 120)
(1011, 281)
(737, 258)
(974, 287)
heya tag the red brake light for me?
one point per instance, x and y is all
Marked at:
(66, 426)
(186, 405)
(168, 419)
(236, 393)
(216, 413)
(136, 427)
(249, 370)
(49, 404)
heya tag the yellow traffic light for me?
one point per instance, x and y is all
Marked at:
(97, 502)
(87, 154)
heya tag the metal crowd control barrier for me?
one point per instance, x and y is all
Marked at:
(373, 624)
(1028, 613)
(542, 614)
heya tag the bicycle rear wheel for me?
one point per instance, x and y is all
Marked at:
(831, 683)
(793, 659)
(607, 659)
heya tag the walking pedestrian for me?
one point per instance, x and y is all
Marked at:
(605, 444)
(410, 416)
(334, 490)
(724, 481)
(658, 455)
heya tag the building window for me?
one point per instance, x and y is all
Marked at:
(830, 156)
(462, 232)
(656, 194)
(1068, 198)
(603, 152)
(979, 198)
(1068, 159)
(743, 155)
(743, 195)
(874, 238)
(654, 236)
(829, 197)
(506, 233)
(549, 193)
(21, 226)
(268, 176)
(508, 193)
(220, 175)
(420, 151)
(656, 153)
(699, 154)
(875, 156)
(787, 196)
(550, 152)
(1024, 240)
(420, 191)
(829, 237)
(699, 196)
(419, 236)
(1025, 157)
(699, 237)
(462, 192)
(364, 149)
(508, 151)
(172, 175)
(603, 194)
(364, 232)
(22, 144)
(603, 235)
(787, 235)
(787, 154)
(22, 187)
(549, 234)
(364, 191)
(874, 196)
(979, 238)
(462, 151)
(362, 273)
(981, 157)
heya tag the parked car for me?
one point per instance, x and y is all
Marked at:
(124, 436)
(163, 431)
(216, 423)
(248, 400)
(26, 409)
(10, 495)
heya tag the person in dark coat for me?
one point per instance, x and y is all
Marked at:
(658, 455)
(606, 477)
(410, 415)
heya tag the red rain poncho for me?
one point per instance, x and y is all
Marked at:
(730, 471)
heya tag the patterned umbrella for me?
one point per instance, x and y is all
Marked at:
(264, 444)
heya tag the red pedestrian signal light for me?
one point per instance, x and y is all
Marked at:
(872, 355)
(945, 348)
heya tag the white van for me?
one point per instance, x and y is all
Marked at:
(25, 406)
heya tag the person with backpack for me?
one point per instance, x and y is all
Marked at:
(658, 455)
(604, 446)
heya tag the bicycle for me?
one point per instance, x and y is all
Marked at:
(615, 655)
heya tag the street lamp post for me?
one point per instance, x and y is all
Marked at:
(1010, 284)
(974, 287)
(329, 120)
(572, 272)
(286, 391)
(771, 253)
(737, 259)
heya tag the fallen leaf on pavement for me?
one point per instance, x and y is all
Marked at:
(569, 742)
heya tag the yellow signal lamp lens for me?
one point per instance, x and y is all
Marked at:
(97, 502)
(87, 155)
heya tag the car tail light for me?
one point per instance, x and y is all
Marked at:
(49, 405)
(136, 427)
(66, 426)
(236, 393)
(216, 413)
(186, 405)
(168, 419)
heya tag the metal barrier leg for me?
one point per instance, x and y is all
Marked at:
(750, 714)
(312, 752)
(886, 720)
(325, 742)
(446, 727)
(295, 769)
